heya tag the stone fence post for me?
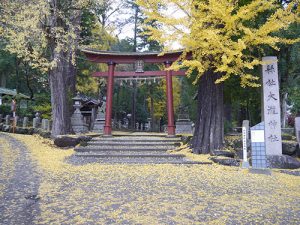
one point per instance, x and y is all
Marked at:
(45, 124)
(25, 122)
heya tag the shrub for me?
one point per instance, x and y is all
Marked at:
(44, 109)
(5, 109)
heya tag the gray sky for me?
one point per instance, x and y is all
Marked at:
(127, 30)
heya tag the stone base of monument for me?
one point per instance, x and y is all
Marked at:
(78, 126)
(260, 171)
(226, 161)
(245, 165)
(98, 126)
(184, 127)
(290, 148)
(282, 162)
(224, 153)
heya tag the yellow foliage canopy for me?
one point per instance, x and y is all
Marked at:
(34, 28)
(220, 34)
(160, 104)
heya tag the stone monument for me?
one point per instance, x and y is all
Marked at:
(183, 123)
(36, 120)
(297, 128)
(271, 106)
(100, 119)
(25, 122)
(45, 125)
(148, 125)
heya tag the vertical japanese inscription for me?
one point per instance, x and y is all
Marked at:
(271, 106)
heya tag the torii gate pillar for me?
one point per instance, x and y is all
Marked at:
(170, 107)
(109, 98)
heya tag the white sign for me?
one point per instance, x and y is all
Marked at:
(244, 144)
(257, 136)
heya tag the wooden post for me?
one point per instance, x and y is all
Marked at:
(109, 99)
(170, 108)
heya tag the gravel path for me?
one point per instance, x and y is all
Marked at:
(19, 179)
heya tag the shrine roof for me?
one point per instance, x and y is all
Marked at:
(12, 92)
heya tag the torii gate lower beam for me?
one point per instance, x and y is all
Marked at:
(135, 74)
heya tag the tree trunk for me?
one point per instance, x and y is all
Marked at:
(70, 68)
(59, 100)
(209, 127)
(134, 87)
(133, 108)
(3, 80)
(17, 74)
(62, 77)
(151, 108)
(28, 81)
(284, 110)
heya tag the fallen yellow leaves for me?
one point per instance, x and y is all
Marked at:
(184, 149)
(8, 158)
(158, 194)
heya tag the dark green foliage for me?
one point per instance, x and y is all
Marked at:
(88, 20)
(5, 110)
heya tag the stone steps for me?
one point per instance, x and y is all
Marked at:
(119, 149)
(114, 154)
(139, 149)
(136, 143)
(75, 160)
(136, 139)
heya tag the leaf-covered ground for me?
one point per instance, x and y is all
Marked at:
(137, 194)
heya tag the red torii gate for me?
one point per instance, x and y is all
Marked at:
(114, 58)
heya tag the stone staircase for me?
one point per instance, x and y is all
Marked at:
(132, 149)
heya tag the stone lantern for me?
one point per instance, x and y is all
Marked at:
(77, 121)
(77, 103)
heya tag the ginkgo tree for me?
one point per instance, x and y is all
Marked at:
(45, 34)
(219, 39)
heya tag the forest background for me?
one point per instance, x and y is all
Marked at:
(40, 39)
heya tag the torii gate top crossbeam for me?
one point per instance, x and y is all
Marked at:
(130, 57)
